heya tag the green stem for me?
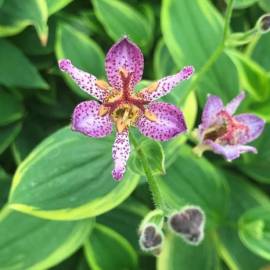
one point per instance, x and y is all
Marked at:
(157, 198)
(218, 51)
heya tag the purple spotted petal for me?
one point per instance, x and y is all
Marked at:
(212, 107)
(232, 106)
(230, 152)
(124, 55)
(84, 80)
(166, 84)
(86, 120)
(254, 123)
(170, 122)
(120, 154)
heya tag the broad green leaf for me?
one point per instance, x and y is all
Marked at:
(32, 243)
(265, 5)
(8, 134)
(253, 77)
(81, 50)
(5, 183)
(259, 50)
(69, 176)
(15, 15)
(190, 108)
(11, 108)
(125, 219)
(190, 180)
(220, 80)
(186, 27)
(29, 43)
(241, 4)
(257, 166)
(176, 254)
(17, 70)
(154, 154)
(254, 230)
(108, 250)
(163, 62)
(119, 19)
(235, 254)
(243, 196)
(54, 6)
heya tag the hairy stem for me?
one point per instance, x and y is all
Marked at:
(153, 186)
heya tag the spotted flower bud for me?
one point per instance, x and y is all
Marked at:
(151, 239)
(189, 224)
(263, 23)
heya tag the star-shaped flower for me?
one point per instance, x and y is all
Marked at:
(224, 133)
(121, 105)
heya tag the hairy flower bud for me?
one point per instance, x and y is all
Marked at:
(263, 23)
(189, 224)
(151, 239)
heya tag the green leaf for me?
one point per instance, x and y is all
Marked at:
(190, 109)
(5, 182)
(163, 62)
(153, 151)
(69, 176)
(265, 5)
(190, 180)
(81, 50)
(220, 80)
(125, 219)
(243, 196)
(257, 166)
(235, 254)
(259, 50)
(31, 243)
(54, 6)
(176, 254)
(119, 19)
(15, 15)
(17, 70)
(11, 108)
(254, 230)
(29, 43)
(108, 250)
(186, 27)
(8, 134)
(253, 77)
(241, 4)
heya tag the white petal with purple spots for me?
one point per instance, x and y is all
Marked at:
(166, 84)
(120, 154)
(169, 123)
(232, 106)
(212, 107)
(86, 120)
(86, 81)
(230, 152)
(254, 123)
(124, 55)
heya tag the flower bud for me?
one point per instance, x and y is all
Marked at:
(189, 224)
(151, 239)
(150, 231)
(263, 23)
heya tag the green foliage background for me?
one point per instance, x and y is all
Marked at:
(60, 208)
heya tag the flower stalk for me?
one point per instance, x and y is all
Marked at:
(153, 186)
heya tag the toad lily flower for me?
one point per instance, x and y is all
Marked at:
(224, 133)
(119, 104)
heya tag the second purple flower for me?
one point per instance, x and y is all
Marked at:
(119, 104)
